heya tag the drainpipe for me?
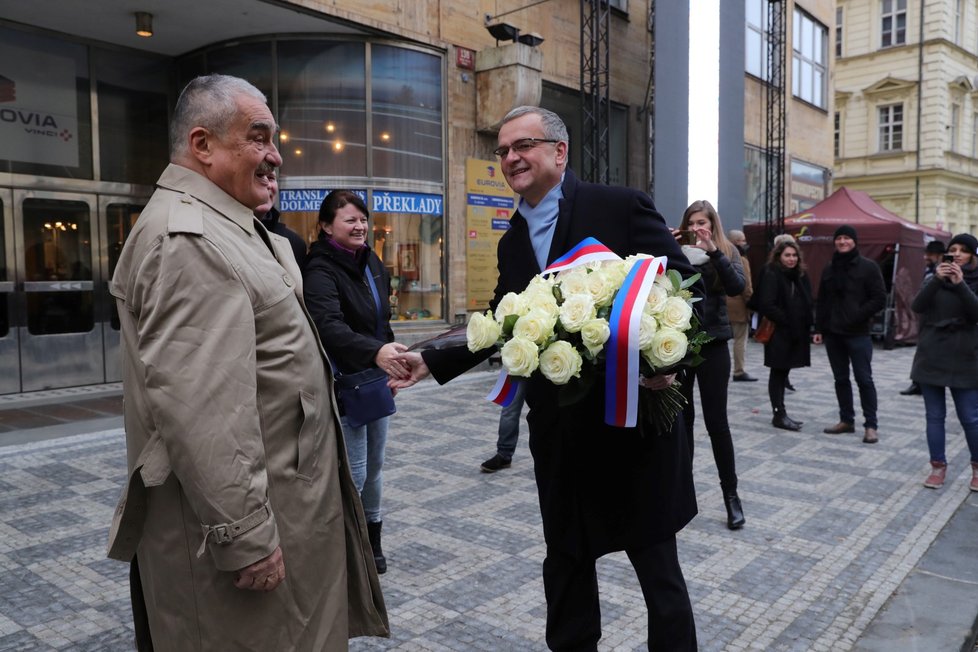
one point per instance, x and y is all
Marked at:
(920, 95)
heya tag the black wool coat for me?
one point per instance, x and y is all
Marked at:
(848, 301)
(786, 299)
(947, 347)
(601, 488)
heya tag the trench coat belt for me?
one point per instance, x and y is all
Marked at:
(224, 533)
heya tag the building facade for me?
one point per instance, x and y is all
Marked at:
(807, 99)
(390, 98)
(906, 107)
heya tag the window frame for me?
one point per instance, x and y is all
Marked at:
(816, 62)
(896, 33)
(839, 18)
(765, 40)
(890, 129)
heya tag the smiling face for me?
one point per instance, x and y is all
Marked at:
(348, 228)
(844, 244)
(239, 161)
(534, 172)
(789, 258)
(272, 191)
(961, 254)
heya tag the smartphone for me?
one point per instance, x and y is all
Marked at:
(947, 258)
(687, 237)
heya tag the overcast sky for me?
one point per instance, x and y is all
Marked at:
(704, 115)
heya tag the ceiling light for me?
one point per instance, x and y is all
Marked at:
(330, 127)
(338, 146)
(144, 23)
(384, 136)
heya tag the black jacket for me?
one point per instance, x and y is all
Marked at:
(601, 488)
(947, 348)
(342, 306)
(847, 302)
(723, 278)
(272, 223)
(786, 299)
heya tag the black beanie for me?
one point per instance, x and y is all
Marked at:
(967, 240)
(935, 247)
(845, 229)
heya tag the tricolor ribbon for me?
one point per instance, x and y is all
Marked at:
(622, 352)
(505, 389)
(588, 250)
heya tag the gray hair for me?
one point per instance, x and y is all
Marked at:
(210, 102)
(553, 127)
(735, 234)
(784, 237)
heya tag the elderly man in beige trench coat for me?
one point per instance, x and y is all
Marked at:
(239, 508)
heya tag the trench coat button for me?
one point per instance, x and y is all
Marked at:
(287, 279)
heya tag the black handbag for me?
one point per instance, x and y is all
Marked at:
(365, 396)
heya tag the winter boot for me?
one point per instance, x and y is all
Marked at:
(735, 511)
(783, 421)
(936, 478)
(373, 531)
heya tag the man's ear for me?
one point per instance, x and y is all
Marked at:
(201, 144)
(560, 152)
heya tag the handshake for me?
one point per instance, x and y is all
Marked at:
(402, 366)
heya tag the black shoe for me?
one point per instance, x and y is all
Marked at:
(735, 511)
(839, 428)
(783, 421)
(373, 533)
(788, 386)
(495, 463)
(744, 378)
(913, 390)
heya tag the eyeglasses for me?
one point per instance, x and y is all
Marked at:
(522, 146)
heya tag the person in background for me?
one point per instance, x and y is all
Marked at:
(737, 311)
(785, 298)
(723, 275)
(778, 239)
(352, 314)
(850, 293)
(509, 433)
(932, 258)
(269, 217)
(947, 352)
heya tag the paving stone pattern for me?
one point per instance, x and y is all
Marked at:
(833, 527)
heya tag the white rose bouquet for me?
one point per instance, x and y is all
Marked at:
(563, 325)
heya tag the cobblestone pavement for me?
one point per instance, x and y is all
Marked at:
(833, 527)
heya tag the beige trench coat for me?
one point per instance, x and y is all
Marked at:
(737, 306)
(233, 438)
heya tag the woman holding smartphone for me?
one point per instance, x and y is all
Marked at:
(723, 274)
(947, 352)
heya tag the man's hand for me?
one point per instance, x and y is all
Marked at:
(419, 370)
(657, 382)
(263, 575)
(388, 360)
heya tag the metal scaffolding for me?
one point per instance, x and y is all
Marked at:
(649, 107)
(775, 134)
(595, 101)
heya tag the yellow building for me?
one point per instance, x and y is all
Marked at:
(807, 101)
(906, 107)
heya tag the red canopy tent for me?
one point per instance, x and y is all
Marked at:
(896, 244)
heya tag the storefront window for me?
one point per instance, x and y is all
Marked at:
(406, 113)
(132, 111)
(45, 109)
(251, 61)
(322, 109)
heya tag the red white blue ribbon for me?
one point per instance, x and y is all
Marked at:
(622, 359)
(505, 389)
(588, 250)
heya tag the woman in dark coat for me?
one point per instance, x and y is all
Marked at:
(785, 298)
(947, 352)
(354, 327)
(719, 263)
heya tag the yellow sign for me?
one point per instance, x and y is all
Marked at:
(489, 203)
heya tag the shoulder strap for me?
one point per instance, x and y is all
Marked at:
(373, 289)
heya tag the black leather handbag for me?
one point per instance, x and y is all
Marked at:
(364, 396)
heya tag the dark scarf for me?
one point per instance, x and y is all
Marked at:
(971, 275)
(840, 269)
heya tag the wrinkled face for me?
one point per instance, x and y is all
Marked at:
(699, 220)
(844, 244)
(533, 172)
(241, 160)
(348, 228)
(272, 191)
(789, 258)
(961, 254)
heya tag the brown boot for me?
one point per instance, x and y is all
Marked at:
(839, 428)
(974, 477)
(936, 478)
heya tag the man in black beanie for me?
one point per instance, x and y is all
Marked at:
(932, 257)
(851, 292)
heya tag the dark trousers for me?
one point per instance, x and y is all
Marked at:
(140, 621)
(713, 375)
(776, 382)
(857, 350)
(574, 613)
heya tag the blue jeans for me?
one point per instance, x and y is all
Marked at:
(965, 404)
(365, 449)
(509, 424)
(857, 349)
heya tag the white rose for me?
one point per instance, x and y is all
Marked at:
(657, 299)
(601, 287)
(573, 281)
(482, 331)
(560, 362)
(646, 331)
(668, 347)
(577, 310)
(536, 326)
(631, 260)
(676, 313)
(594, 334)
(520, 357)
(540, 284)
(542, 301)
(510, 304)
